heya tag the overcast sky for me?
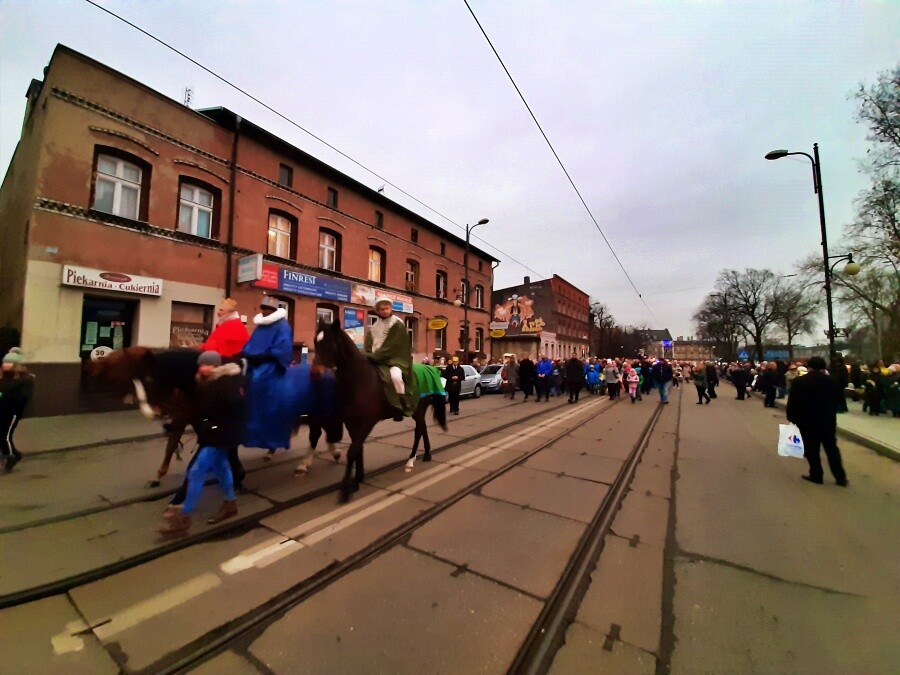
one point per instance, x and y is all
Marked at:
(660, 111)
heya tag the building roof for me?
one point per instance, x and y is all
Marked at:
(653, 335)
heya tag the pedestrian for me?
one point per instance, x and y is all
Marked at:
(611, 377)
(839, 370)
(634, 382)
(592, 378)
(510, 377)
(543, 372)
(740, 378)
(662, 376)
(526, 375)
(454, 375)
(812, 406)
(701, 383)
(16, 390)
(874, 387)
(768, 384)
(892, 390)
(712, 379)
(219, 425)
(574, 377)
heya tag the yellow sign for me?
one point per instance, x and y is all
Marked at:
(533, 326)
(437, 324)
(498, 333)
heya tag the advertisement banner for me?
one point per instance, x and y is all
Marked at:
(518, 315)
(365, 295)
(86, 277)
(303, 283)
(355, 325)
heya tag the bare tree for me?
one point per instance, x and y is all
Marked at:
(717, 320)
(799, 305)
(756, 301)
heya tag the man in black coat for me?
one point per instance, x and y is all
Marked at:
(526, 376)
(574, 377)
(812, 406)
(454, 374)
(740, 378)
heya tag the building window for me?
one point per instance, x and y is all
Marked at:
(376, 264)
(332, 198)
(464, 292)
(440, 285)
(326, 313)
(282, 239)
(195, 210)
(414, 235)
(190, 324)
(480, 266)
(379, 220)
(412, 327)
(479, 339)
(412, 276)
(372, 319)
(329, 250)
(285, 175)
(479, 297)
(443, 248)
(118, 187)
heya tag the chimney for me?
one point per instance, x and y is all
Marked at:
(527, 280)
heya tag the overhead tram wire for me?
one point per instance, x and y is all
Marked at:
(559, 161)
(306, 131)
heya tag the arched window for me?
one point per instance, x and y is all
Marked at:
(377, 259)
(121, 183)
(329, 250)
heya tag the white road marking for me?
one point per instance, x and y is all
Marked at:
(260, 556)
(67, 641)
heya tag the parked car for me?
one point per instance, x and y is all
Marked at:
(471, 386)
(490, 379)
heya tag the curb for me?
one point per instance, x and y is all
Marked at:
(98, 444)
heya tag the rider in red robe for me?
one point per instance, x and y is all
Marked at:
(229, 335)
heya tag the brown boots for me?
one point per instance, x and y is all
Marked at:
(227, 510)
(177, 524)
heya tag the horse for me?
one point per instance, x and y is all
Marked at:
(362, 401)
(162, 382)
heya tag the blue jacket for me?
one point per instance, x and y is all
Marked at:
(544, 367)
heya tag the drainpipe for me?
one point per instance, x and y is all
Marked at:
(229, 244)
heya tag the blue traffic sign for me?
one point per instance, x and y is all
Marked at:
(743, 355)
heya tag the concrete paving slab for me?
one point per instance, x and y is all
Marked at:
(159, 607)
(26, 641)
(561, 495)
(557, 459)
(626, 590)
(435, 493)
(644, 516)
(226, 663)
(536, 545)
(279, 484)
(585, 651)
(454, 623)
(288, 521)
(728, 620)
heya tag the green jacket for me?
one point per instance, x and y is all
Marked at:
(395, 351)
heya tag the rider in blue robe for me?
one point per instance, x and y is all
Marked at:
(268, 353)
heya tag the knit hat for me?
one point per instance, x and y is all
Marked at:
(269, 301)
(209, 358)
(15, 356)
(229, 305)
(381, 299)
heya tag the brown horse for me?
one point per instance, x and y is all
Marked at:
(362, 401)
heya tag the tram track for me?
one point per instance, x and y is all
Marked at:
(246, 628)
(230, 528)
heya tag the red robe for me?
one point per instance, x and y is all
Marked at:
(228, 338)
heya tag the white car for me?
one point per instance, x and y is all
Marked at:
(471, 386)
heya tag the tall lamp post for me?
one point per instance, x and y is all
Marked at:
(851, 268)
(464, 342)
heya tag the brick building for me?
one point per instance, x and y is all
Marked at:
(549, 317)
(125, 217)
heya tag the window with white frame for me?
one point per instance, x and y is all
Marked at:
(280, 230)
(412, 276)
(440, 285)
(440, 339)
(411, 329)
(325, 314)
(479, 297)
(372, 319)
(376, 265)
(328, 250)
(118, 187)
(195, 210)
(479, 339)
(464, 292)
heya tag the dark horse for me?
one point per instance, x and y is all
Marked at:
(362, 401)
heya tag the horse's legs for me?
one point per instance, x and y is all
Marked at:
(412, 455)
(355, 473)
(334, 431)
(315, 432)
(176, 430)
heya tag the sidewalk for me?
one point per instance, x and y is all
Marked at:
(67, 432)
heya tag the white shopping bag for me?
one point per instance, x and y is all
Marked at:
(790, 443)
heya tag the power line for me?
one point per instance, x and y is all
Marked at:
(559, 161)
(306, 131)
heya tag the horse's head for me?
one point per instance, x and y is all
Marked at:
(122, 367)
(328, 344)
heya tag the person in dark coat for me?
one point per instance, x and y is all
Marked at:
(16, 389)
(526, 375)
(543, 375)
(839, 370)
(454, 374)
(768, 379)
(740, 378)
(712, 379)
(662, 377)
(574, 378)
(812, 406)
(219, 425)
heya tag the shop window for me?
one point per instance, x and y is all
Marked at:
(329, 250)
(285, 175)
(190, 324)
(412, 276)
(106, 322)
(197, 210)
(120, 184)
(479, 297)
(282, 235)
(440, 285)
(479, 339)
(412, 327)
(332, 198)
(377, 260)
(326, 313)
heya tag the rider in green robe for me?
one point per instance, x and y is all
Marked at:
(387, 346)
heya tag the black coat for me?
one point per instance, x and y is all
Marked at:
(712, 377)
(574, 370)
(662, 373)
(813, 401)
(526, 370)
(15, 392)
(740, 377)
(220, 408)
(449, 373)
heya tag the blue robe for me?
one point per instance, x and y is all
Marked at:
(270, 399)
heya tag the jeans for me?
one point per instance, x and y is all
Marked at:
(663, 389)
(209, 460)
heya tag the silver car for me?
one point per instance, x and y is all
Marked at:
(471, 386)
(490, 379)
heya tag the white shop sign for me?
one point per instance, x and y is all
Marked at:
(250, 268)
(85, 277)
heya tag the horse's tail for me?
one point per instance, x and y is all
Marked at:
(439, 404)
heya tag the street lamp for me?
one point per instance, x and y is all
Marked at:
(851, 268)
(467, 290)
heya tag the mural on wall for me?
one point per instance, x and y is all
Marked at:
(518, 313)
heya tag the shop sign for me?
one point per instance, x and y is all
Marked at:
(85, 277)
(361, 294)
(187, 334)
(303, 283)
(355, 325)
(249, 268)
(437, 324)
(498, 333)
(499, 325)
(517, 316)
